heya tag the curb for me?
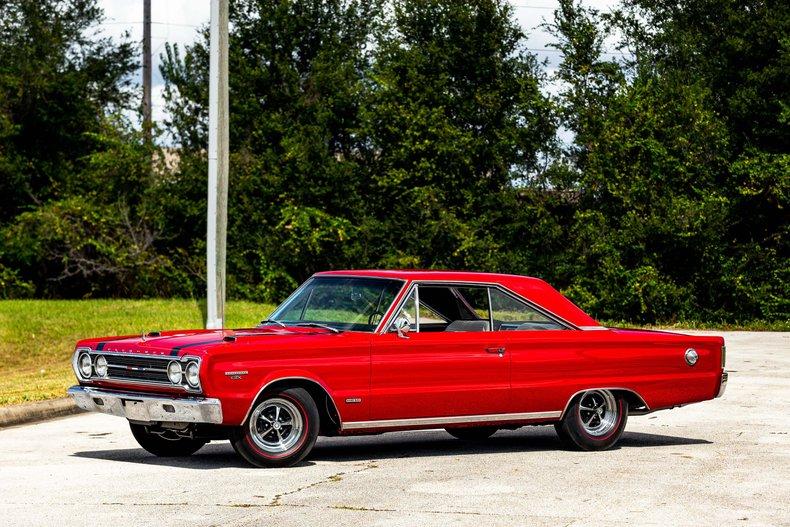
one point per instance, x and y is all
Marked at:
(19, 414)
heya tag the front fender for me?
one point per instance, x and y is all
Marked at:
(239, 400)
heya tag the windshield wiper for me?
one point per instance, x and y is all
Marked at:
(316, 325)
(270, 321)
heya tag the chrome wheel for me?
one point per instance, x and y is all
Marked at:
(276, 425)
(598, 412)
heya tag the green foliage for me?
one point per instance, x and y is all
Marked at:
(393, 133)
(296, 75)
(12, 286)
(456, 117)
(676, 217)
(76, 243)
(57, 80)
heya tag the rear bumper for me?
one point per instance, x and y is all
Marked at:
(723, 385)
(146, 407)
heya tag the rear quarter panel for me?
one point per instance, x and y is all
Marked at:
(549, 367)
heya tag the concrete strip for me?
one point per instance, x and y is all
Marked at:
(38, 411)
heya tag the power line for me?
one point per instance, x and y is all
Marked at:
(134, 23)
(520, 6)
(553, 50)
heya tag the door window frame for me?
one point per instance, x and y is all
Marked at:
(414, 287)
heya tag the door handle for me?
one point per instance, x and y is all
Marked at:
(498, 351)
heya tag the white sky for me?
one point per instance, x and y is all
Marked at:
(176, 21)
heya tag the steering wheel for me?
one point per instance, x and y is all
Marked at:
(372, 317)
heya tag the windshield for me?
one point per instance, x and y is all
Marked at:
(356, 304)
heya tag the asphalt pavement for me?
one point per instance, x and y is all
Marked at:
(722, 462)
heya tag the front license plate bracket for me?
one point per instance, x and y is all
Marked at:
(136, 410)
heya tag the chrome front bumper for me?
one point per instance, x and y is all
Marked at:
(146, 407)
(723, 385)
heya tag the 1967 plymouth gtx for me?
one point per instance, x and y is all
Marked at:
(361, 352)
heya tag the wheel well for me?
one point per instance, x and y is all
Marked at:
(327, 411)
(636, 405)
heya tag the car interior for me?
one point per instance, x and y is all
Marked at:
(453, 308)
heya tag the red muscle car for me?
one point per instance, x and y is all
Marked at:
(361, 352)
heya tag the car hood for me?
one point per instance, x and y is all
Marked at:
(197, 341)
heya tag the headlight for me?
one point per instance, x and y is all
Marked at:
(84, 364)
(193, 377)
(101, 366)
(174, 372)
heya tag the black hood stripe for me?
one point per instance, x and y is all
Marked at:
(174, 351)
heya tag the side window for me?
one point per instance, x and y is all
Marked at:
(428, 315)
(474, 300)
(512, 314)
(409, 310)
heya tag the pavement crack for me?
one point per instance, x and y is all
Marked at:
(333, 478)
(362, 509)
(161, 504)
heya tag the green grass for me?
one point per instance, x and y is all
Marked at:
(754, 325)
(37, 337)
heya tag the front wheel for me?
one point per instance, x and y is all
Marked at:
(165, 443)
(281, 430)
(594, 421)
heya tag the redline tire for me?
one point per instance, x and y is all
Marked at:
(161, 446)
(281, 430)
(474, 433)
(595, 420)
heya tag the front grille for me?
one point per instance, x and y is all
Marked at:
(135, 368)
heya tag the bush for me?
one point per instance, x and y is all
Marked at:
(74, 248)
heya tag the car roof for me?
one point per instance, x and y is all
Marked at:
(531, 288)
(427, 274)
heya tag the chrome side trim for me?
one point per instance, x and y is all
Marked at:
(593, 328)
(723, 386)
(147, 408)
(252, 404)
(610, 388)
(457, 419)
(417, 306)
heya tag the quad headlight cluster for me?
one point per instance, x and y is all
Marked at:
(87, 366)
(178, 371)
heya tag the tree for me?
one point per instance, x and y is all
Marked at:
(739, 51)
(454, 118)
(665, 178)
(296, 75)
(57, 82)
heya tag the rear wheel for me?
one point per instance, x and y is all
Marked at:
(165, 443)
(281, 430)
(475, 433)
(594, 421)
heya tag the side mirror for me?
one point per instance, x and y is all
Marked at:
(402, 326)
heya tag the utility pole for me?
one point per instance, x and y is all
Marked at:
(147, 124)
(218, 138)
